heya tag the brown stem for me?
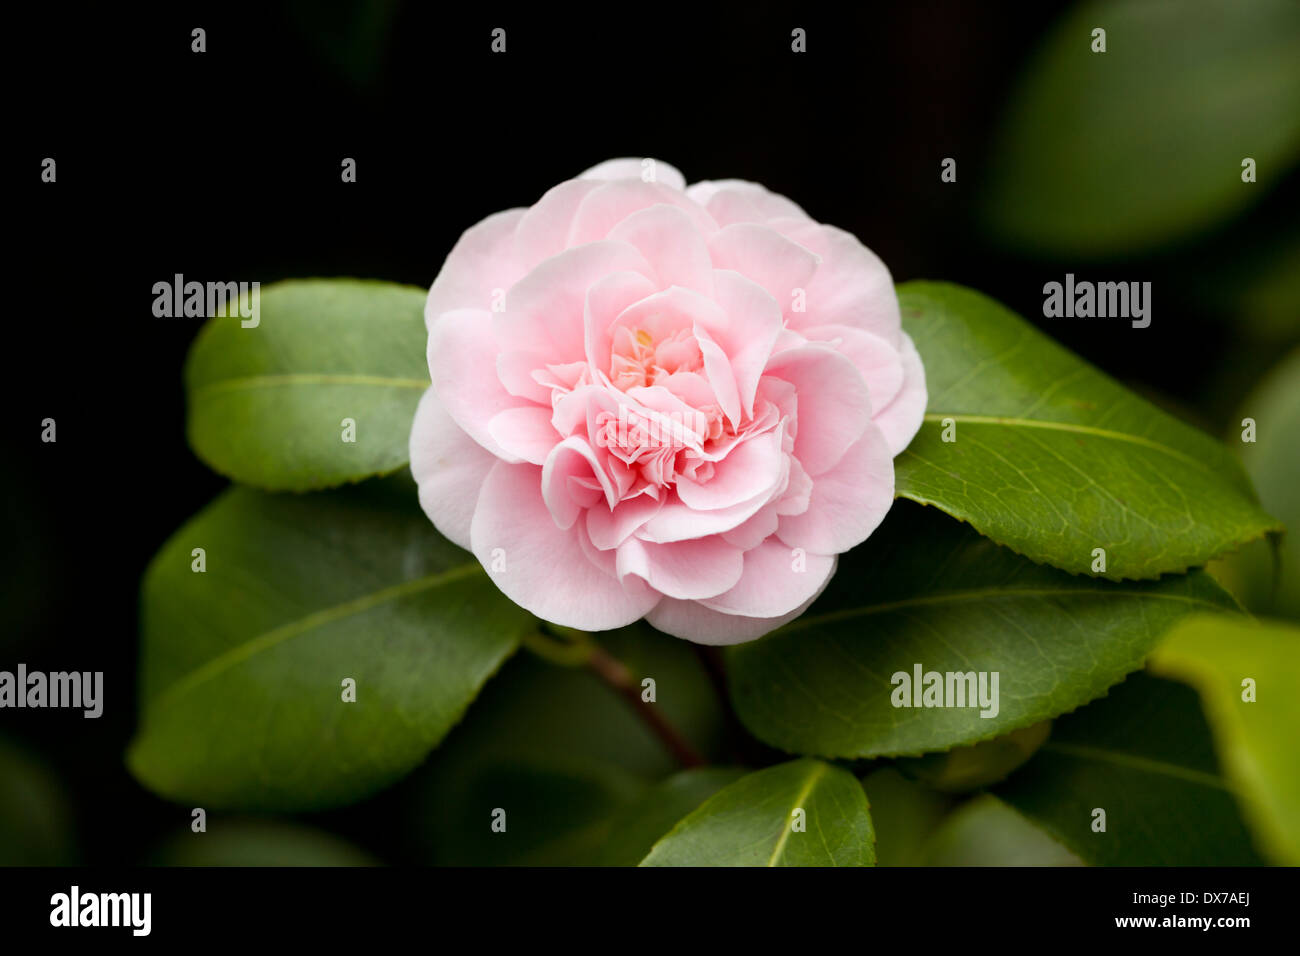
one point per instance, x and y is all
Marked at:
(745, 749)
(618, 677)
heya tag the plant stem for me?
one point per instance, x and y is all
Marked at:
(619, 678)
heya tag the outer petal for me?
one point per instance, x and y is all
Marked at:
(449, 468)
(544, 229)
(834, 403)
(775, 581)
(629, 168)
(736, 200)
(878, 361)
(525, 433)
(610, 203)
(763, 255)
(848, 502)
(546, 570)
(901, 419)
(482, 260)
(462, 364)
(671, 244)
(693, 621)
(851, 287)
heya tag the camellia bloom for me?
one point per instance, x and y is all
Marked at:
(660, 401)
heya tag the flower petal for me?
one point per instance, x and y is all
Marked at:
(684, 569)
(611, 202)
(693, 621)
(851, 287)
(848, 502)
(878, 361)
(763, 255)
(671, 244)
(776, 580)
(901, 419)
(544, 310)
(834, 403)
(736, 200)
(753, 468)
(541, 567)
(482, 260)
(448, 467)
(462, 364)
(628, 168)
(526, 433)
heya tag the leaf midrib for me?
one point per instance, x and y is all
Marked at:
(979, 594)
(278, 635)
(1134, 762)
(1074, 428)
(819, 771)
(308, 378)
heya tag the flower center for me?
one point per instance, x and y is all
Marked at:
(640, 357)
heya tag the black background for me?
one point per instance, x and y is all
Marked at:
(225, 166)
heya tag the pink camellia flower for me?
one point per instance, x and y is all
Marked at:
(660, 401)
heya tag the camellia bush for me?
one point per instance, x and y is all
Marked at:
(790, 566)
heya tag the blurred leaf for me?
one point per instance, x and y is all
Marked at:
(35, 821)
(1270, 293)
(1143, 755)
(1273, 461)
(904, 814)
(267, 404)
(637, 828)
(1252, 275)
(350, 35)
(259, 843)
(984, 831)
(1255, 740)
(1106, 154)
(1054, 459)
(969, 768)
(243, 664)
(752, 822)
(562, 754)
(928, 590)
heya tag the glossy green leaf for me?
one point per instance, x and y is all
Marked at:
(258, 843)
(1143, 756)
(634, 832)
(1103, 154)
(562, 755)
(756, 821)
(979, 765)
(904, 814)
(244, 663)
(35, 817)
(267, 405)
(1255, 724)
(1054, 459)
(930, 591)
(1269, 583)
(984, 831)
